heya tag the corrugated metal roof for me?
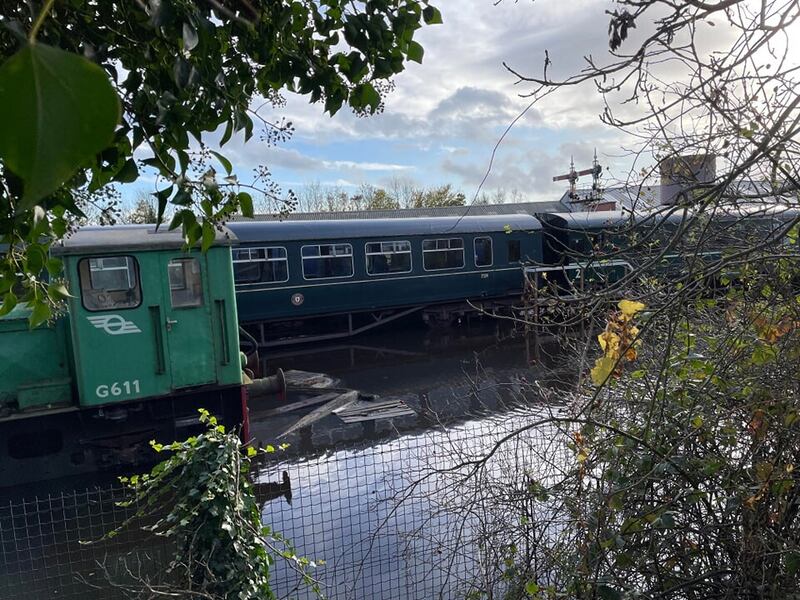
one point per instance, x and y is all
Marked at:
(644, 197)
(475, 210)
(268, 231)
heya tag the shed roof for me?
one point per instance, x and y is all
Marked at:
(268, 231)
(120, 238)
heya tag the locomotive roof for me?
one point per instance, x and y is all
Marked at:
(120, 238)
(262, 231)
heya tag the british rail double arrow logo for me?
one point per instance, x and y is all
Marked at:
(114, 324)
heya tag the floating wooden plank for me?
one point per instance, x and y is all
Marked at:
(322, 412)
(371, 410)
(287, 408)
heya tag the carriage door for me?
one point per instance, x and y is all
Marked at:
(187, 321)
(484, 260)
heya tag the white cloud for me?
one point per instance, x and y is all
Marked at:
(292, 159)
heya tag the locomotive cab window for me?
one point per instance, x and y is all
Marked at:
(260, 265)
(483, 252)
(185, 282)
(446, 253)
(514, 252)
(109, 282)
(388, 257)
(327, 261)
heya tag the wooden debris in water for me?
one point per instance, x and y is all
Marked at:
(375, 409)
(315, 415)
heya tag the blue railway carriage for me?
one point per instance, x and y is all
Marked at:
(301, 269)
(598, 248)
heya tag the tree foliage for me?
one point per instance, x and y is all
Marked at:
(85, 85)
(143, 211)
(403, 193)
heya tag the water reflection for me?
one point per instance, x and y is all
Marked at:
(389, 519)
(340, 491)
(442, 376)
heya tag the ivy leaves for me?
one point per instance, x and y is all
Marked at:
(57, 110)
(200, 496)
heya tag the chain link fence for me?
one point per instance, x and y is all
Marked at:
(417, 516)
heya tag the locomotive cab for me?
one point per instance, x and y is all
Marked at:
(147, 318)
(150, 336)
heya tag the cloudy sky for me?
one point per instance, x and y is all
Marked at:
(445, 116)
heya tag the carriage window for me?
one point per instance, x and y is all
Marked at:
(266, 265)
(185, 282)
(327, 261)
(388, 257)
(483, 252)
(447, 253)
(514, 252)
(109, 282)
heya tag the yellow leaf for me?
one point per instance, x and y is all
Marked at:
(603, 367)
(251, 451)
(630, 308)
(609, 342)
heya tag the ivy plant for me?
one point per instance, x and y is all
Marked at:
(200, 497)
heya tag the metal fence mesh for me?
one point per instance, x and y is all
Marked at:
(395, 519)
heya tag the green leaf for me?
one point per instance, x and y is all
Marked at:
(57, 292)
(209, 235)
(532, 588)
(245, 204)
(415, 52)
(9, 302)
(365, 95)
(40, 313)
(57, 110)
(53, 266)
(128, 173)
(226, 164)
(432, 15)
(163, 197)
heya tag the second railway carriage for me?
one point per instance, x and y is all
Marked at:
(669, 243)
(300, 269)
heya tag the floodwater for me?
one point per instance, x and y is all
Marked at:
(375, 500)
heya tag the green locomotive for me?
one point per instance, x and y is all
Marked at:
(151, 333)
